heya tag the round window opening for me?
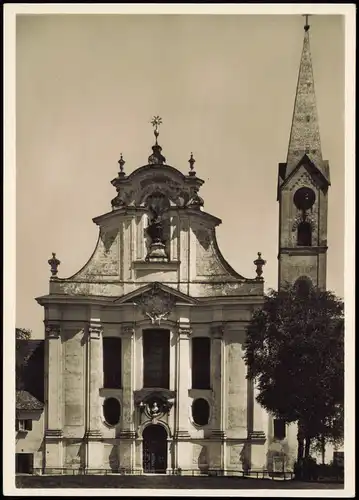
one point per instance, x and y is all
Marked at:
(304, 198)
(200, 412)
(112, 411)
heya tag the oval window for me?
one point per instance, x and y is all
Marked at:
(200, 412)
(112, 411)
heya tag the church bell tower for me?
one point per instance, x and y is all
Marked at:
(303, 183)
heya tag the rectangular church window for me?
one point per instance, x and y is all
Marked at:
(201, 363)
(279, 429)
(156, 358)
(112, 362)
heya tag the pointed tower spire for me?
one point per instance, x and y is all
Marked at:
(304, 135)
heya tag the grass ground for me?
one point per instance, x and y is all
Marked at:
(166, 482)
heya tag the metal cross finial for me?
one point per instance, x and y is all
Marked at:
(156, 122)
(306, 26)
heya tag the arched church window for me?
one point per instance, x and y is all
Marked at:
(201, 363)
(200, 411)
(112, 362)
(303, 285)
(112, 411)
(156, 358)
(304, 236)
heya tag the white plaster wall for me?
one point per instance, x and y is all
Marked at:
(32, 441)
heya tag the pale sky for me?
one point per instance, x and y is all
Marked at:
(87, 88)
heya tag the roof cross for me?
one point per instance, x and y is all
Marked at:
(306, 26)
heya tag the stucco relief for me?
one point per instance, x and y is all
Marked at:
(176, 194)
(156, 304)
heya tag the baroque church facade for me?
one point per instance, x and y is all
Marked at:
(144, 367)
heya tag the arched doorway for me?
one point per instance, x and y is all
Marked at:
(154, 449)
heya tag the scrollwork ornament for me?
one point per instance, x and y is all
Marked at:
(155, 409)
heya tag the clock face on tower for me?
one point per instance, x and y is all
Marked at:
(304, 198)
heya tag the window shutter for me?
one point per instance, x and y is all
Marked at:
(28, 425)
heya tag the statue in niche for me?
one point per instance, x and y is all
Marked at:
(155, 229)
(157, 204)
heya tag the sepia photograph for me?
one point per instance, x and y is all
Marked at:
(178, 185)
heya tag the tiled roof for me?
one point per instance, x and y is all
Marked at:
(26, 401)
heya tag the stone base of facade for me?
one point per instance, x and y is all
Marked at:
(214, 456)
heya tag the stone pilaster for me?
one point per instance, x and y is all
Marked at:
(256, 431)
(94, 379)
(218, 387)
(183, 378)
(183, 455)
(127, 435)
(54, 397)
(172, 414)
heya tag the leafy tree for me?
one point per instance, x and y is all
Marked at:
(332, 432)
(22, 355)
(23, 333)
(295, 352)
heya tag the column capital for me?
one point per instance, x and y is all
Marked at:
(95, 329)
(52, 330)
(127, 329)
(217, 331)
(184, 329)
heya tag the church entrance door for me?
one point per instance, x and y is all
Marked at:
(154, 449)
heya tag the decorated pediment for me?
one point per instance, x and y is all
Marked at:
(156, 301)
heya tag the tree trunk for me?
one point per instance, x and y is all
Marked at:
(300, 439)
(323, 449)
(307, 447)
